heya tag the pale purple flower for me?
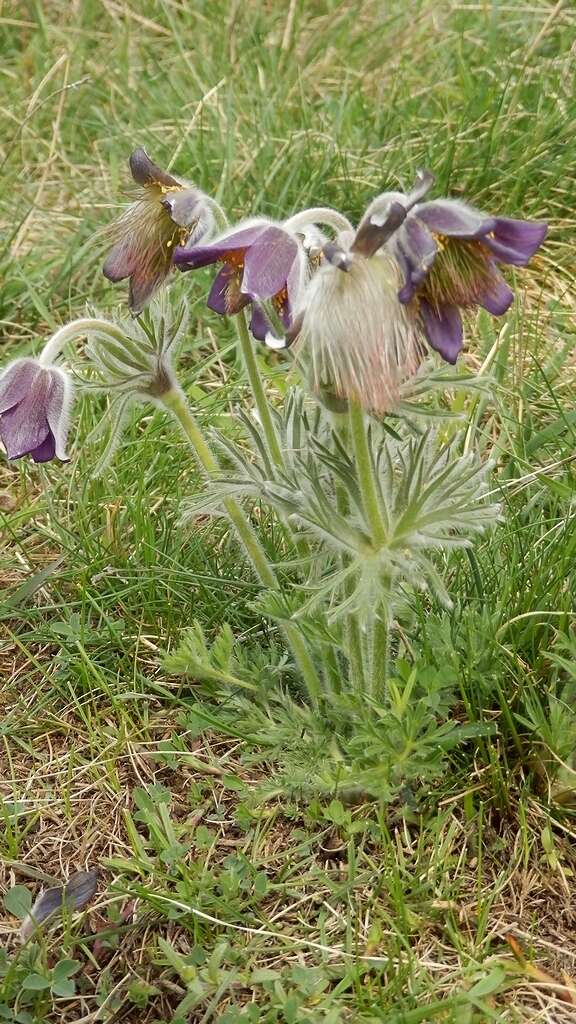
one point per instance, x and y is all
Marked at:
(449, 254)
(75, 894)
(260, 262)
(166, 213)
(35, 403)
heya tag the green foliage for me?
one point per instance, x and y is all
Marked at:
(358, 746)
(430, 498)
(223, 662)
(18, 901)
(28, 986)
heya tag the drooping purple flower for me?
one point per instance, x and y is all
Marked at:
(166, 213)
(449, 254)
(260, 263)
(35, 403)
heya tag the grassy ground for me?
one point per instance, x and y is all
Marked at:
(288, 909)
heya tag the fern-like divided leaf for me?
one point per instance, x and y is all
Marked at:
(197, 660)
(225, 663)
(431, 499)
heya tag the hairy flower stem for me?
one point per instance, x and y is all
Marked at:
(256, 386)
(377, 527)
(264, 415)
(380, 641)
(318, 215)
(75, 329)
(251, 365)
(352, 630)
(220, 218)
(365, 470)
(176, 403)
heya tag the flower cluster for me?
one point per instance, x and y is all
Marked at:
(362, 306)
(359, 306)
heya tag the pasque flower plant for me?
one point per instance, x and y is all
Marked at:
(363, 510)
(360, 342)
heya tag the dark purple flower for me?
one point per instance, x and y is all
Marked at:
(448, 254)
(34, 407)
(166, 213)
(260, 263)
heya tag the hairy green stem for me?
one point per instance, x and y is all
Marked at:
(220, 218)
(176, 403)
(318, 215)
(352, 629)
(249, 360)
(379, 654)
(251, 365)
(265, 415)
(366, 478)
(377, 527)
(75, 329)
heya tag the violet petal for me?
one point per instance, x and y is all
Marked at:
(407, 290)
(515, 241)
(418, 251)
(443, 328)
(143, 283)
(146, 172)
(337, 256)
(204, 255)
(268, 262)
(422, 185)
(120, 262)
(45, 451)
(260, 325)
(217, 296)
(376, 230)
(16, 382)
(285, 312)
(294, 286)
(78, 891)
(498, 296)
(184, 206)
(293, 331)
(225, 296)
(25, 426)
(453, 218)
(58, 411)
